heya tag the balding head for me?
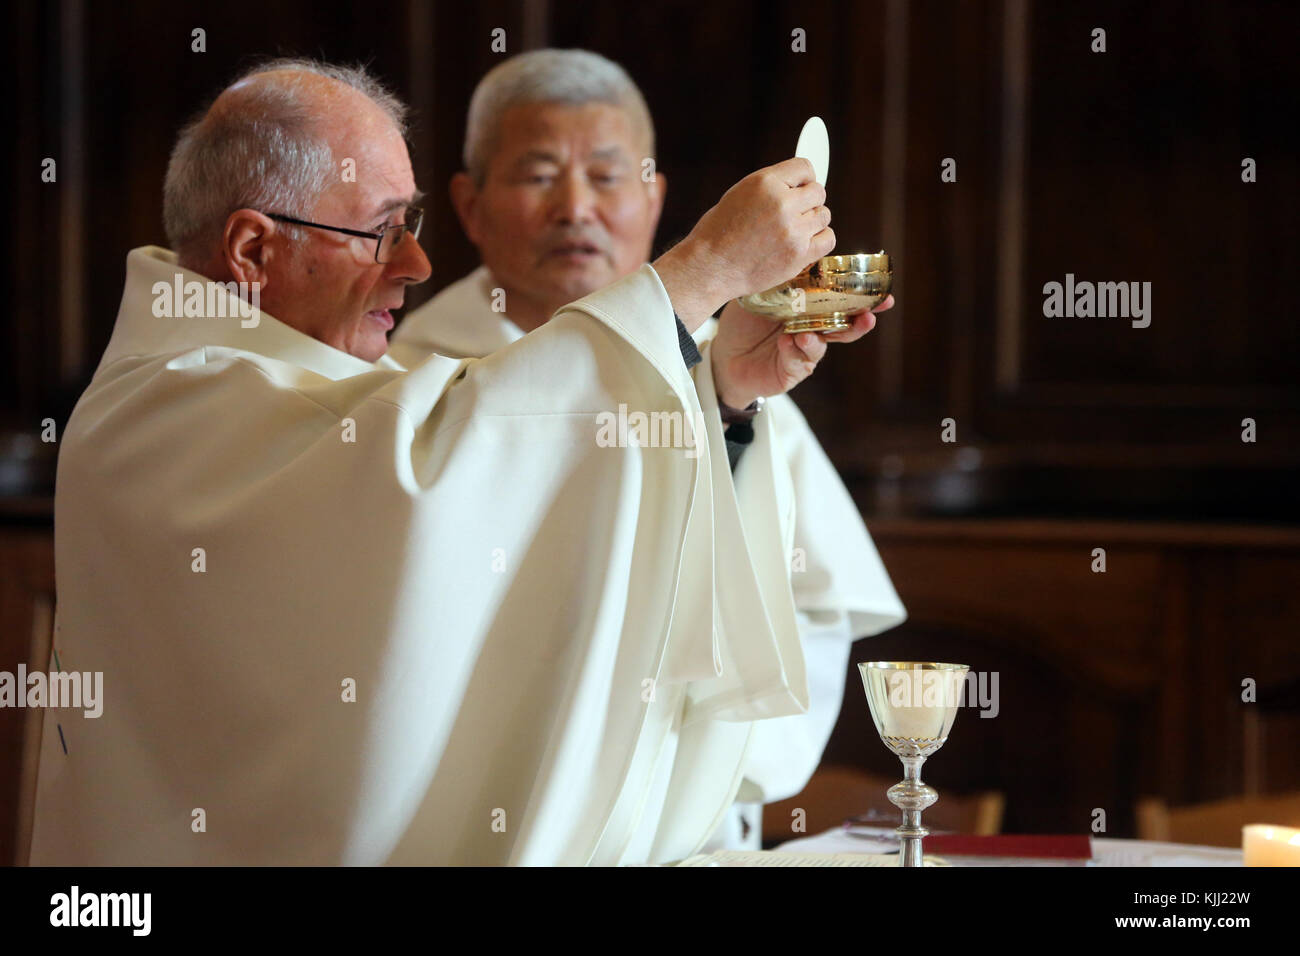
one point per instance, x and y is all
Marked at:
(266, 143)
(308, 141)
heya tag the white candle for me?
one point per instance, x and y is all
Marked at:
(1267, 845)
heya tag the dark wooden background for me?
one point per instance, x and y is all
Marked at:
(1071, 433)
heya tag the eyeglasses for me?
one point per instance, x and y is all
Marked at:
(386, 239)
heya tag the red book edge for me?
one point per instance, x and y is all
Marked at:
(1044, 846)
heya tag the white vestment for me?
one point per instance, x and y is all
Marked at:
(351, 613)
(841, 589)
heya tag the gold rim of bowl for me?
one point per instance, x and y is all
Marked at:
(856, 262)
(913, 665)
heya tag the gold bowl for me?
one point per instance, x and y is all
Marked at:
(827, 294)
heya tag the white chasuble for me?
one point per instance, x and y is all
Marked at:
(354, 613)
(840, 587)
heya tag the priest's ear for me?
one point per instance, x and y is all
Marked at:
(249, 243)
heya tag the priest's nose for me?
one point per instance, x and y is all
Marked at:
(409, 263)
(574, 199)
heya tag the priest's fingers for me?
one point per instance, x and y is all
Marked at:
(805, 347)
(821, 244)
(819, 217)
(795, 171)
(863, 323)
(803, 198)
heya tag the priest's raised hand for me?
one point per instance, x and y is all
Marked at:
(763, 230)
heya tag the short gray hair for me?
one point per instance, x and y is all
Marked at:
(266, 155)
(572, 77)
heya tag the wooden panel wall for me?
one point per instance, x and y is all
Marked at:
(1112, 686)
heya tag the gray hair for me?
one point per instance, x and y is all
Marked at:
(265, 155)
(572, 77)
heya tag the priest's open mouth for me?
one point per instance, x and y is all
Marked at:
(576, 252)
(383, 317)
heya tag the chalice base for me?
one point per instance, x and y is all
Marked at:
(832, 322)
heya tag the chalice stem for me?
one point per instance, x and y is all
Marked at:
(911, 796)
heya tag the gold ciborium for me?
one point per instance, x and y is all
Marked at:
(826, 295)
(913, 705)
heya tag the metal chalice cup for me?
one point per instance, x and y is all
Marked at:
(913, 705)
(825, 296)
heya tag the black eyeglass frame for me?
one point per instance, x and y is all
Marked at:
(377, 236)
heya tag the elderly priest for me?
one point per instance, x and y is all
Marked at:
(352, 612)
(553, 197)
